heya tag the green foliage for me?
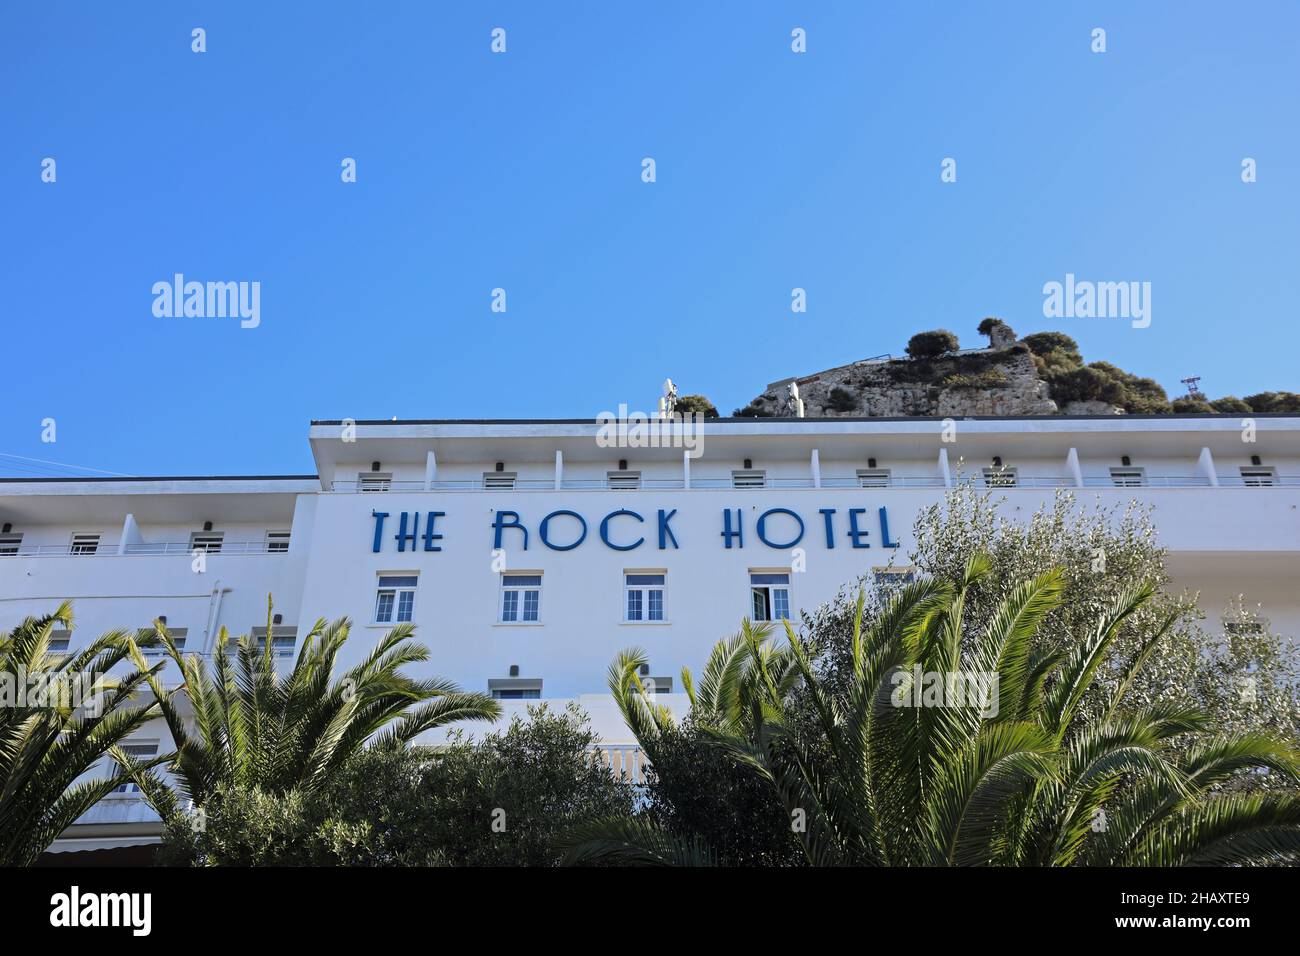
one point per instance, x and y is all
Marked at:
(755, 409)
(691, 792)
(987, 326)
(49, 740)
(1192, 405)
(255, 728)
(1101, 551)
(931, 344)
(989, 378)
(1044, 344)
(419, 806)
(841, 400)
(1120, 735)
(1230, 404)
(697, 405)
(1274, 402)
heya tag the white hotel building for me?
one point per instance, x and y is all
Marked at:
(528, 553)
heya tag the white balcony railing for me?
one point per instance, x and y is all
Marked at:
(832, 481)
(143, 547)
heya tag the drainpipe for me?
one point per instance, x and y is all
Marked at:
(559, 469)
(816, 465)
(686, 470)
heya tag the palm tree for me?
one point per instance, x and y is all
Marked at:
(878, 775)
(47, 745)
(247, 725)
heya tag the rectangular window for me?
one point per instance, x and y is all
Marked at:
(1256, 476)
(209, 541)
(84, 544)
(374, 480)
(749, 478)
(769, 594)
(140, 751)
(59, 642)
(623, 480)
(277, 542)
(999, 478)
(395, 599)
(888, 576)
(283, 639)
(644, 597)
(10, 543)
(873, 477)
(1128, 477)
(521, 597)
(515, 688)
(499, 480)
(178, 638)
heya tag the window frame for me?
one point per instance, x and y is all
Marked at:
(131, 789)
(644, 590)
(520, 605)
(208, 537)
(370, 482)
(771, 587)
(1117, 479)
(396, 590)
(81, 539)
(1258, 476)
(1000, 477)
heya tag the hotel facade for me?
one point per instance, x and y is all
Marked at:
(528, 553)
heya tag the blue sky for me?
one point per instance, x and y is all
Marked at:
(523, 171)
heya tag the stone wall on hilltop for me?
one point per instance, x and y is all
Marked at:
(993, 381)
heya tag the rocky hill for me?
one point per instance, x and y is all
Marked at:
(1043, 374)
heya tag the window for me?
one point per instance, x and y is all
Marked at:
(873, 477)
(178, 638)
(521, 598)
(999, 478)
(499, 480)
(1256, 476)
(59, 642)
(1128, 477)
(888, 576)
(515, 688)
(623, 480)
(657, 685)
(10, 543)
(283, 640)
(769, 595)
(749, 478)
(644, 597)
(209, 541)
(395, 602)
(277, 542)
(374, 480)
(140, 751)
(84, 544)
(1243, 628)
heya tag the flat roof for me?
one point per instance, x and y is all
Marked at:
(757, 419)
